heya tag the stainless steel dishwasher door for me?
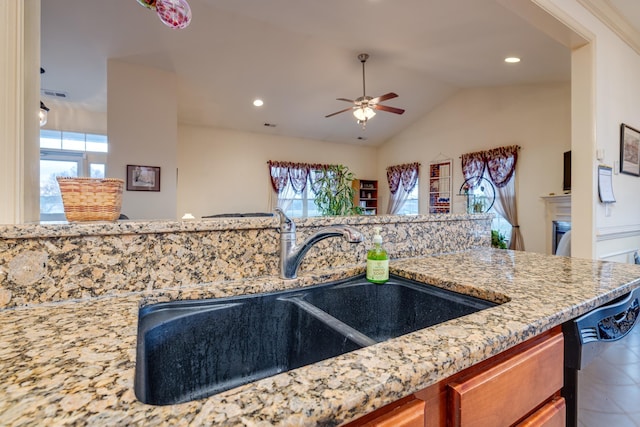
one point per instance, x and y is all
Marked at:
(602, 378)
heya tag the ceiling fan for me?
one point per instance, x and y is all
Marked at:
(364, 106)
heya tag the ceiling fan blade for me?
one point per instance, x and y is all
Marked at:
(338, 112)
(388, 109)
(384, 97)
(345, 99)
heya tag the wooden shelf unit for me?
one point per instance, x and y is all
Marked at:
(366, 195)
(440, 187)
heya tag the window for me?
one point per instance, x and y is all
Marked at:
(479, 199)
(411, 205)
(501, 225)
(67, 154)
(299, 205)
(73, 141)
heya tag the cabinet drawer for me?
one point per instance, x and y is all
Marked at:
(553, 414)
(408, 415)
(506, 392)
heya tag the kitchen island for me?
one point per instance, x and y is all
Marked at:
(72, 362)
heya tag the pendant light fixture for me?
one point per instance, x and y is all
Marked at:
(174, 14)
(44, 110)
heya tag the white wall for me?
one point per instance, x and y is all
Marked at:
(64, 117)
(143, 130)
(618, 95)
(614, 89)
(225, 171)
(535, 117)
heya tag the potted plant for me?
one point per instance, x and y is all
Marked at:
(478, 205)
(334, 192)
(498, 240)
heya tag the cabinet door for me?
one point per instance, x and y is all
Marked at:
(505, 393)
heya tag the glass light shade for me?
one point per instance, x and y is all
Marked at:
(363, 114)
(44, 112)
(174, 13)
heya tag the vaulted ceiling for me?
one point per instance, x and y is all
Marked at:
(298, 56)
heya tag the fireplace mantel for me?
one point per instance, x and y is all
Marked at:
(558, 208)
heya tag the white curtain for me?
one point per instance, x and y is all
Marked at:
(279, 173)
(402, 179)
(289, 179)
(505, 205)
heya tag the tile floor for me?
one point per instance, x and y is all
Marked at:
(609, 388)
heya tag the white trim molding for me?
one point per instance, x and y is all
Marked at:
(606, 12)
(11, 110)
(19, 106)
(618, 232)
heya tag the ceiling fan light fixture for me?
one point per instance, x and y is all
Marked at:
(363, 113)
(364, 106)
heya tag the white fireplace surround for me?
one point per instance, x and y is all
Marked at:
(558, 208)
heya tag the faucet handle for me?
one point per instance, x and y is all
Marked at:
(286, 224)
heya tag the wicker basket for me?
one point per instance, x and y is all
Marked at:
(91, 199)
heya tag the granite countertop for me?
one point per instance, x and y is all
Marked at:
(72, 363)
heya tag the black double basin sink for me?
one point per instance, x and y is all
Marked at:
(189, 350)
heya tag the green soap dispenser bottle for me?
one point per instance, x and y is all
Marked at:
(377, 260)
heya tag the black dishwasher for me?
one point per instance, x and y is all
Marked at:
(602, 365)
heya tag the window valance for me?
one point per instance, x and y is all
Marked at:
(407, 174)
(500, 164)
(297, 174)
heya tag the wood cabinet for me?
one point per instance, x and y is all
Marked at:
(407, 412)
(553, 414)
(520, 387)
(366, 195)
(505, 393)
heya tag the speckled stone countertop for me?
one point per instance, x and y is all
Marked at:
(72, 362)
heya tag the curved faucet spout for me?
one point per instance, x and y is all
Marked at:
(291, 254)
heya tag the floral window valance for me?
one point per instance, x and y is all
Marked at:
(297, 174)
(500, 164)
(407, 174)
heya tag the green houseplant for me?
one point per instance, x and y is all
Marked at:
(498, 240)
(334, 192)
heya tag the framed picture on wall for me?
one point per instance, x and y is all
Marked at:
(629, 150)
(143, 178)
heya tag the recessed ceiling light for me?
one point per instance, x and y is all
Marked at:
(258, 102)
(512, 60)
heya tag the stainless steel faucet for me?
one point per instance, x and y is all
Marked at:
(291, 254)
